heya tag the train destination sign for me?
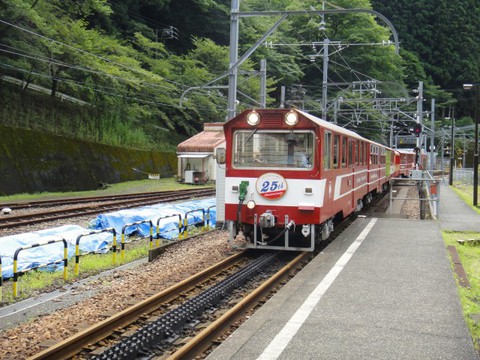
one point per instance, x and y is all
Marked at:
(408, 139)
(271, 186)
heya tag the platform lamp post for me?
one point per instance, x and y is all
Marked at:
(475, 151)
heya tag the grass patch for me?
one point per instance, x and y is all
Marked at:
(128, 187)
(466, 194)
(39, 281)
(469, 254)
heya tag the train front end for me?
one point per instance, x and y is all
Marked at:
(273, 189)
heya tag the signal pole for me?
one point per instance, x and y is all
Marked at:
(432, 136)
(325, 79)
(233, 70)
(420, 110)
(452, 153)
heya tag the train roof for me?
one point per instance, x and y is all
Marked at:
(406, 151)
(323, 123)
(331, 126)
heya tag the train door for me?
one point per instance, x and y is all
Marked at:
(374, 173)
(351, 180)
(384, 168)
(356, 177)
(327, 171)
(371, 168)
(388, 164)
(397, 161)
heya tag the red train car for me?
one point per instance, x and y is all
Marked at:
(405, 162)
(289, 175)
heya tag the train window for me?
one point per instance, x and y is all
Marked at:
(336, 151)
(273, 149)
(327, 150)
(357, 155)
(344, 151)
(362, 152)
(365, 154)
(373, 155)
(350, 152)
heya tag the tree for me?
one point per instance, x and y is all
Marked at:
(444, 34)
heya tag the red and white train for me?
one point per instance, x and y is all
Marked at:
(290, 175)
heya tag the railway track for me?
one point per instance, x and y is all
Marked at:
(157, 325)
(169, 324)
(96, 205)
(88, 199)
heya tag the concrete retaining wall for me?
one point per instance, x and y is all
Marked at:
(35, 162)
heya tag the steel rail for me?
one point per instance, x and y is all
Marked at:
(76, 343)
(84, 199)
(22, 220)
(199, 343)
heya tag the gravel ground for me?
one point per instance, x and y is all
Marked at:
(117, 291)
(411, 208)
(81, 221)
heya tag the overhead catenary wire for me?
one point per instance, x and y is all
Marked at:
(98, 89)
(33, 56)
(138, 71)
(84, 69)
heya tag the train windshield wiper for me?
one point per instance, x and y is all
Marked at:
(249, 136)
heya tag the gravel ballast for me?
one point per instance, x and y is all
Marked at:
(113, 293)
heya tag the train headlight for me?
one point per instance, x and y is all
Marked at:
(291, 118)
(253, 118)
(251, 204)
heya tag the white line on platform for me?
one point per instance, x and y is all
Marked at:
(22, 309)
(280, 342)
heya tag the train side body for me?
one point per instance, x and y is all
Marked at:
(286, 184)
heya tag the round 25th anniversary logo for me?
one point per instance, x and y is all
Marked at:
(271, 186)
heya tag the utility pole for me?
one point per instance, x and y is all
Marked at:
(420, 110)
(263, 83)
(233, 70)
(391, 134)
(336, 107)
(442, 167)
(432, 136)
(282, 97)
(325, 78)
(452, 153)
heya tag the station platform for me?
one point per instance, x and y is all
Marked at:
(384, 289)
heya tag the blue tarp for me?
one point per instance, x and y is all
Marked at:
(168, 225)
(41, 255)
(33, 257)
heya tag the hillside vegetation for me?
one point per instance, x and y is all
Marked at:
(130, 73)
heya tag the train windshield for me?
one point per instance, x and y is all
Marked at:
(273, 149)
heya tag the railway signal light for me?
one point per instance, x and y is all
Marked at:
(417, 130)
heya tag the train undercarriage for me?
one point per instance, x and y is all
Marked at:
(264, 232)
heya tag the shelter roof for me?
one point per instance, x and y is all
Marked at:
(205, 141)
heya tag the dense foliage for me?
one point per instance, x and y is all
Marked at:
(445, 35)
(132, 71)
